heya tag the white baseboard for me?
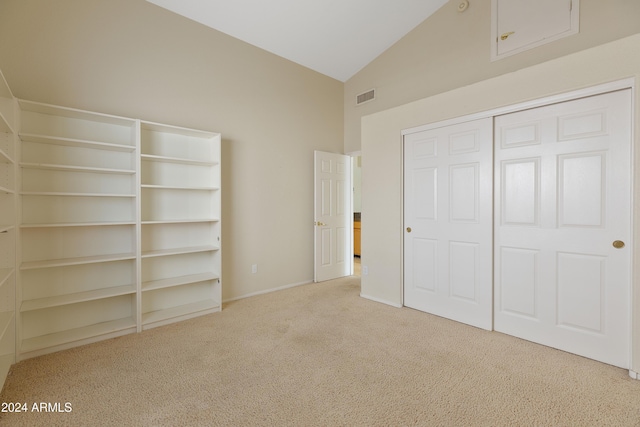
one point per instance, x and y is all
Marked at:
(393, 304)
(267, 291)
(634, 375)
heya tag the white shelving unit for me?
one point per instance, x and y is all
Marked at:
(7, 228)
(77, 226)
(108, 226)
(180, 221)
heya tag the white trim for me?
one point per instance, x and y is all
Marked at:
(628, 83)
(402, 223)
(632, 274)
(370, 298)
(268, 291)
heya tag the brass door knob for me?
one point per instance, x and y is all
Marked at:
(618, 244)
(506, 35)
(408, 229)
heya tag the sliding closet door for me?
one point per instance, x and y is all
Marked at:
(563, 226)
(448, 223)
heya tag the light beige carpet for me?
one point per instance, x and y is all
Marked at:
(320, 355)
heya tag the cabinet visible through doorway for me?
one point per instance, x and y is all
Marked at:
(356, 238)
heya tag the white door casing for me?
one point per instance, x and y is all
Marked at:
(448, 222)
(333, 223)
(563, 196)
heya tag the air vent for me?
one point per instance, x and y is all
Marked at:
(367, 96)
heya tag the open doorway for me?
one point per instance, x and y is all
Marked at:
(356, 168)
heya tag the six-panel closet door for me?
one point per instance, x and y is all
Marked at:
(563, 226)
(448, 222)
(550, 261)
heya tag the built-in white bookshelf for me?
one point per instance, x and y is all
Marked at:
(180, 223)
(77, 226)
(8, 206)
(108, 226)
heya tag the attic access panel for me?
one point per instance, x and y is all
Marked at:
(519, 25)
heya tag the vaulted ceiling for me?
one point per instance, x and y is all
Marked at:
(334, 37)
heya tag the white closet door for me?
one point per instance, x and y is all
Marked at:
(448, 223)
(562, 277)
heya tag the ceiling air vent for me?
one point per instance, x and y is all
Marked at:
(367, 96)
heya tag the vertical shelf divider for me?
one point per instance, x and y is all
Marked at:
(138, 302)
(8, 232)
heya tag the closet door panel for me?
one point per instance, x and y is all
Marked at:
(563, 226)
(448, 222)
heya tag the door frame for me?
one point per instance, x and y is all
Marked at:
(628, 83)
(354, 155)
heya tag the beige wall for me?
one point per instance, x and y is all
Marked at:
(382, 225)
(132, 58)
(452, 49)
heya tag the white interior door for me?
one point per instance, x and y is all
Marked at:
(448, 222)
(333, 217)
(562, 211)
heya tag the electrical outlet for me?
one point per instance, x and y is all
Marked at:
(365, 270)
(254, 268)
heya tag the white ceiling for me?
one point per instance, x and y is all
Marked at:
(334, 37)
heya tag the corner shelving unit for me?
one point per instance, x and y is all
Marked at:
(180, 221)
(8, 207)
(78, 227)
